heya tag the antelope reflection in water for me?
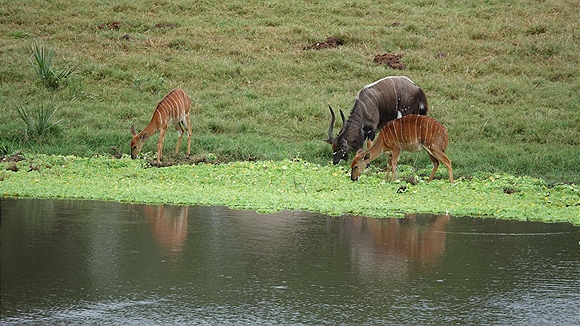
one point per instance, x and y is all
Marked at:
(169, 226)
(392, 246)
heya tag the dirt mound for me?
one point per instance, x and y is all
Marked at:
(391, 60)
(17, 157)
(331, 42)
(12, 160)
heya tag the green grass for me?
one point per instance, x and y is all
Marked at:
(506, 87)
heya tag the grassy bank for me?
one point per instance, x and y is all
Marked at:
(270, 186)
(502, 76)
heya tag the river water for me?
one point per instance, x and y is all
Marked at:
(88, 262)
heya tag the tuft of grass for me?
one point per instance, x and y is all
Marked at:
(38, 121)
(44, 70)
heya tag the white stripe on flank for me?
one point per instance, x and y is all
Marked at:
(417, 131)
(362, 103)
(395, 137)
(173, 108)
(428, 126)
(390, 135)
(374, 98)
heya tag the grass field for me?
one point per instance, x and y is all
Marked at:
(503, 76)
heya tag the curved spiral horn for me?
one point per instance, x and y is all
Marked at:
(330, 138)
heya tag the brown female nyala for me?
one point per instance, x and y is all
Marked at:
(173, 109)
(410, 133)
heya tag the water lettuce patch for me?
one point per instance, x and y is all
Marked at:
(270, 186)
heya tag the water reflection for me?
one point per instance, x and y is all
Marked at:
(387, 248)
(169, 226)
(83, 262)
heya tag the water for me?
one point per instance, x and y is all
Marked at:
(71, 262)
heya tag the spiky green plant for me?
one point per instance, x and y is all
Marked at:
(39, 121)
(43, 64)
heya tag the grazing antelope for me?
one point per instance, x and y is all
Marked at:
(375, 105)
(410, 133)
(172, 109)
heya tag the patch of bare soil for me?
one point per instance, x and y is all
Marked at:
(331, 42)
(17, 157)
(110, 25)
(12, 160)
(509, 191)
(391, 60)
(172, 159)
(12, 167)
(166, 25)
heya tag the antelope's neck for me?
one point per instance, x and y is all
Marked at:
(152, 127)
(353, 126)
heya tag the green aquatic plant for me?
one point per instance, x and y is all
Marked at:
(270, 186)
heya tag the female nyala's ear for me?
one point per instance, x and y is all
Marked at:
(360, 153)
